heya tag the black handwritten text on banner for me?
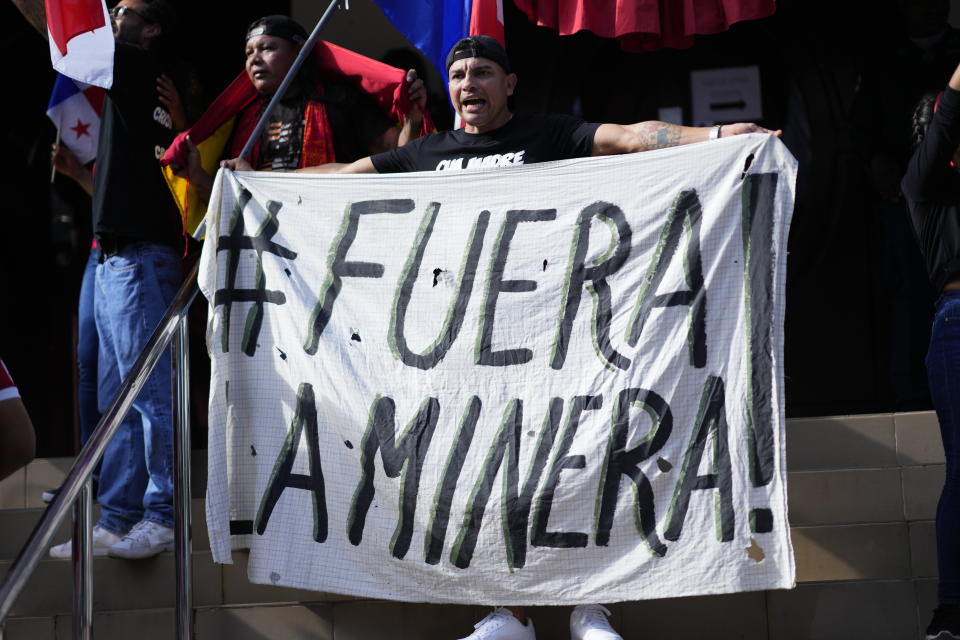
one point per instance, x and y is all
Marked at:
(544, 385)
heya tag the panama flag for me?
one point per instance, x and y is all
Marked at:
(81, 40)
(75, 109)
(434, 26)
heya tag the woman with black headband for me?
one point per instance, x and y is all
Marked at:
(317, 121)
(932, 190)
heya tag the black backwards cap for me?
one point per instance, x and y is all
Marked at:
(280, 26)
(479, 47)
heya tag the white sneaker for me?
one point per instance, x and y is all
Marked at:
(589, 622)
(102, 541)
(145, 540)
(502, 625)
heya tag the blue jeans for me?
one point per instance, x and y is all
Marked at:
(134, 289)
(88, 350)
(943, 372)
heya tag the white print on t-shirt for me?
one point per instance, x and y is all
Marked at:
(160, 115)
(482, 162)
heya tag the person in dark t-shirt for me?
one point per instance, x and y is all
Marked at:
(932, 190)
(282, 140)
(480, 82)
(139, 232)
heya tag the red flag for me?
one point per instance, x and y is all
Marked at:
(645, 25)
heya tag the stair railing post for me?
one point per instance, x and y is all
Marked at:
(40, 539)
(82, 553)
(181, 479)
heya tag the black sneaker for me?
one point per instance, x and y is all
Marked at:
(945, 624)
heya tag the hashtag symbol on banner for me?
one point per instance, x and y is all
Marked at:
(261, 242)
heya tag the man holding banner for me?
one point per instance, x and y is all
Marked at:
(480, 82)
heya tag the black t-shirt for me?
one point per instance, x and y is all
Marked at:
(932, 190)
(524, 139)
(281, 142)
(355, 120)
(131, 200)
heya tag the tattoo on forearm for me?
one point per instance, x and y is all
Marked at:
(658, 135)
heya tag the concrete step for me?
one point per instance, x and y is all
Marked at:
(121, 585)
(875, 610)
(862, 498)
(23, 489)
(312, 621)
(117, 585)
(18, 524)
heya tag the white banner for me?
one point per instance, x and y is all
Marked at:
(551, 384)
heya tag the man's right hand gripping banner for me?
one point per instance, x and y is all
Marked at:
(551, 384)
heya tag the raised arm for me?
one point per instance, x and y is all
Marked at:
(930, 163)
(413, 121)
(412, 125)
(612, 139)
(170, 98)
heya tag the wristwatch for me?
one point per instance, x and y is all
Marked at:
(715, 132)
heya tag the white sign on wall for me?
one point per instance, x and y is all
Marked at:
(731, 94)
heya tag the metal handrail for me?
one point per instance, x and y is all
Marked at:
(77, 483)
(180, 356)
(82, 553)
(90, 455)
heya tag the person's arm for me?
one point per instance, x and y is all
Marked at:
(193, 171)
(413, 121)
(612, 139)
(170, 98)
(930, 164)
(69, 165)
(17, 439)
(954, 82)
(392, 137)
(363, 165)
